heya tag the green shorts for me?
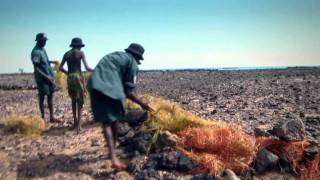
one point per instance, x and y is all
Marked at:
(104, 108)
(76, 87)
(45, 88)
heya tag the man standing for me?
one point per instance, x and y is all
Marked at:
(75, 80)
(43, 74)
(112, 81)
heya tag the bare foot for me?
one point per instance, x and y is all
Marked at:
(79, 130)
(118, 165)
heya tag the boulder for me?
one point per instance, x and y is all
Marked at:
(265, 161)
(228, 174)
(186, 164)
(141, 141)
(123, 128)
(292, 129)
(311, 151)
(153, 161)
(203, 177)
(136, 116)
(147, 174)
(124, 140)
(169, 158)
(165, 138)
(136, 164)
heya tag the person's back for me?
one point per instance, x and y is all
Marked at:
(75, 80)
(112, 71)
(112, 81)
(73, 58)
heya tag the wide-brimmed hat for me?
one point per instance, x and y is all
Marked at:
(76, 42)
(136, 49)
(41, 37)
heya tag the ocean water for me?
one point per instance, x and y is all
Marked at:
(238, 68)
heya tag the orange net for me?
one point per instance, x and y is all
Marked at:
(311, 170)
(217, 145)
(218, 148)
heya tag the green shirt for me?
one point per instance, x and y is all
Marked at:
(40, 59)
(114, 75)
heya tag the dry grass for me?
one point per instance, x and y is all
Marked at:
(28, 125)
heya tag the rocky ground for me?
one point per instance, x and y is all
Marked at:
(250, 98)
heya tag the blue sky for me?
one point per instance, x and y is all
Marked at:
(175, 33)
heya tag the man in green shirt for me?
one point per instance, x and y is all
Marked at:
(112, 81)
(43, 74)
(75, 80)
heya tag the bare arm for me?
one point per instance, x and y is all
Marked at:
(53, 62)
(134, 98)
(62, 64)
(48, 78)
(85, 63)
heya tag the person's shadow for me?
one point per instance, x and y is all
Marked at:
(45, 166)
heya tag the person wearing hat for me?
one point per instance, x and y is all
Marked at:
(112, 81)
(43, 74)
(75, 80)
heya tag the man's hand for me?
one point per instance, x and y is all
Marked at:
(54, 62)
(147, 107)
(52, 81)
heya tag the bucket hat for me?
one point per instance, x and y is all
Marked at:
(136, 49)
(76, 42)
(41, 37)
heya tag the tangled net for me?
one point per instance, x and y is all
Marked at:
(216, 145)
(218, 148)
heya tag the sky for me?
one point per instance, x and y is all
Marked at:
(175, 33)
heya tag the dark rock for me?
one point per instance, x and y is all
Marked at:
(124, 140)
(136, 164)
(285, 166)
(265, 161)
(311, 152)
(141, 142)
(203, 177)
(261, 132)
(292, 129)
(123, 128)
(136, 117)
(165, 138)
(169, 158)
(153, 161)
(228, 174)
(186, 164)
(146, 174)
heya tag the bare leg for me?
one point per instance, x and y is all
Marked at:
(41, 106)
(114, 127)
(79, 108)
(74, 113)
(108, 134)
(50, 104)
